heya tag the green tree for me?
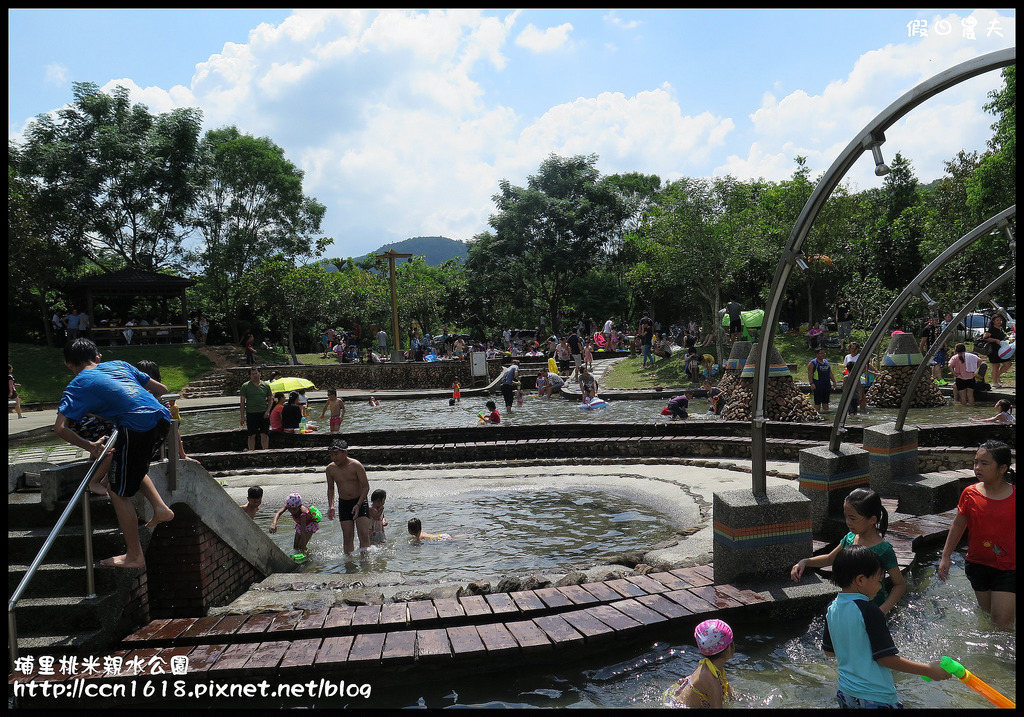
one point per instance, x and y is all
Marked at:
(250, 207)
(993, 187)
(549, 231)
(114, 177)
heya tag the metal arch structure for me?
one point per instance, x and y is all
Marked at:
(945, 334)
(869, 138)
(999, 221)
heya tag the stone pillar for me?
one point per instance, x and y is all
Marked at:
(826, 478)
(893, 456)
(760, 536)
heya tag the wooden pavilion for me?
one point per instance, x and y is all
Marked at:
(124, 286)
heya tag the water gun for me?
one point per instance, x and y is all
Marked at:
(974, 682)
(298, 557)
(315, 513)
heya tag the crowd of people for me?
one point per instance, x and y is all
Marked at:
(133, 330)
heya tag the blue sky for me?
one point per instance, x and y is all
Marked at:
(405, 121)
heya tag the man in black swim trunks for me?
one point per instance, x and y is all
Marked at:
(349, 476)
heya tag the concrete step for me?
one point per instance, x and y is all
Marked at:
(61, 579)
(931, 493)
(79, 642)
(57, 616)
(69, 546)
(25, 511)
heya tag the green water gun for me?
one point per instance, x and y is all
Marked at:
(974, 682)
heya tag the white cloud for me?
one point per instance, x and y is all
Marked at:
(547, 40)
(56, 74)
(820, 125)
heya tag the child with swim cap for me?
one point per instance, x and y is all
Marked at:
(305, 523)
(707, 686)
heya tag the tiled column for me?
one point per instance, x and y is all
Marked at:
(893, 455)
(826, 478)
(760, 536)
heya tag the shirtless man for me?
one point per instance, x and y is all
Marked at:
(349, 476)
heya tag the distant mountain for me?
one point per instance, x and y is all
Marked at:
(434, 250)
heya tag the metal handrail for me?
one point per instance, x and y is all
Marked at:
(90, 577)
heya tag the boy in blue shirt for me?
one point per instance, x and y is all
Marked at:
(124, 395)
(857, 636)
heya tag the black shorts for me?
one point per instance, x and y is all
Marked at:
(132, 454)
(345, 507)
(735, 327)
(963, 384)
(256, 423)
(985, 578)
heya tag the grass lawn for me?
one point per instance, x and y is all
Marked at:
(42, 374)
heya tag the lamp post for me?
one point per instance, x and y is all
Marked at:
(396, 352)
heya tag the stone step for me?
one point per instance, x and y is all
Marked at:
(931, 493)
(26, 511)
(79, 642)
(58, 616)
(59, 579)
(69, 546)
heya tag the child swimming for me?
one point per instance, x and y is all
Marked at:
(377, 519)
(706, 687)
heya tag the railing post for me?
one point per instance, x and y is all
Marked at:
(171, 446)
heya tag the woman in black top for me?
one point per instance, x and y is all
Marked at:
(994, 337)
(291, 414)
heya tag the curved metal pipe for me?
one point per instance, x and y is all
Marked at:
(869, 138)
(902, 300)
(934, 348)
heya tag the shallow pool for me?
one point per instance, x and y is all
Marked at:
(431, 413)
(778, 665)
(505, 531)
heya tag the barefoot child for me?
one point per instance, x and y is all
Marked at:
(493, 416)
(416, 531)
(456, 391)
(857, 636)
(305, 524)
(707, 686)
(113, 390)
(987, 510)
(337, 407)
(253, 502)
(377, 519)
(867, 520)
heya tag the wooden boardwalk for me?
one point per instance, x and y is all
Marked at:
(470, 633)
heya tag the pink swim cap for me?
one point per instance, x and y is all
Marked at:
(712, 636)
(294, 501)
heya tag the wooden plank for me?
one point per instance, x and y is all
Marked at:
(527, 600)
(285, 621)
(366, 647)
(432, 644)
(475, 605)
(601, 591)
(334, 650)
(159, 664)
(399, 646)
(366, 615)
(552, 598)
(228, 625)
(671, 610)
(669, 580)
(716, 597)
(707, 571)
(267, 656)
(497, 639)
(173, 628)
(146, 632)
(501, 603)
(592, 629)
(625, 588)
(394, 614)
(614, 619)
(561, 633)
(202, 656)
(200, 627)
(691, 602)
(742, 595)
(577, 595)
(691, 576)
(129, 662)
(301, 654)
(233, 658)
(422, 611)
(637, 611)
(530, 637)
(448, 608)
(312, 620)
(339, 616)
(256, 623)
(647, 584)
(466, 643)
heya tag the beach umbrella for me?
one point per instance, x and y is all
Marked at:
(290, 383)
